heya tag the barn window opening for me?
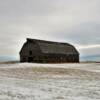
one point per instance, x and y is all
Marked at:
(30, 52)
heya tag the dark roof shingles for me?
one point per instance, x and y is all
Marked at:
(55, 47)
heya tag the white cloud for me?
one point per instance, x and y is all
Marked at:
(89, 46)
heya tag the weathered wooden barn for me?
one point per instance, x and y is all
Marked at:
(41, 51)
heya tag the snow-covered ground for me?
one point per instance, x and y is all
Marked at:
(23, 81)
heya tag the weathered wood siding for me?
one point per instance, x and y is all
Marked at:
(27, 48)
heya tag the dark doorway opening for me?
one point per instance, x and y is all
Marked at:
(30, 59)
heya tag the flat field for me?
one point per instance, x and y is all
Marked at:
(27, 81)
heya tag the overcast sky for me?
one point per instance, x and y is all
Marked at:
(73, 21)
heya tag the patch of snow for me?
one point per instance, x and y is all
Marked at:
(49, 89)
(55, 87)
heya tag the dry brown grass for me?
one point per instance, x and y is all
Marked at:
(40, 72)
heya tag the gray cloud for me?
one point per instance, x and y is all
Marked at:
(74, 21)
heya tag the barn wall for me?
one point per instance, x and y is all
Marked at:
(49, 58)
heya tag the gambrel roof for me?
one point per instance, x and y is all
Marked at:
(54, 47)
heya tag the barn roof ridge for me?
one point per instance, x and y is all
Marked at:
(47, 41)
